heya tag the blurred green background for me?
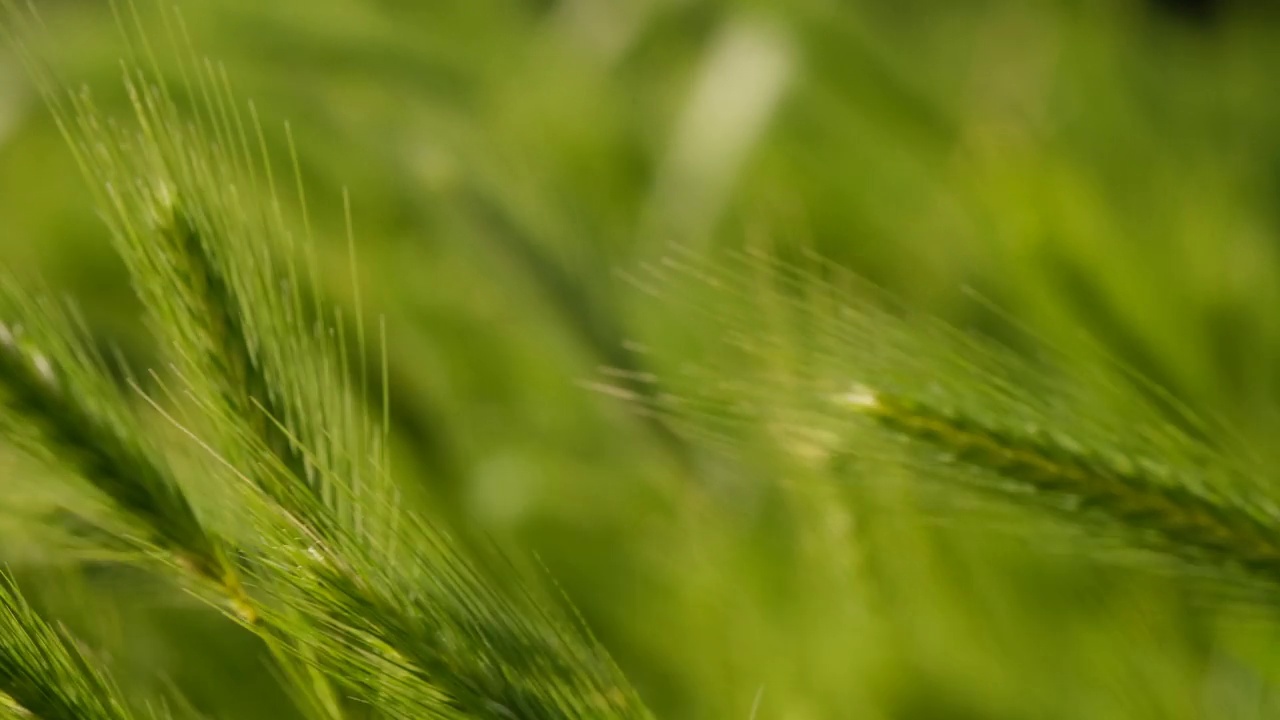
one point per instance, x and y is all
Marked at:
(1105, 171)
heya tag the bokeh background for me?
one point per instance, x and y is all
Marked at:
(1105, 172)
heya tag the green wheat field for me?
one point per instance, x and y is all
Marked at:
(723, 359)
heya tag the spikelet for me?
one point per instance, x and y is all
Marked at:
(1137, 495)
(59, 404)
(43, 675)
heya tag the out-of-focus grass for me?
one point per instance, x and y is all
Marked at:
(1106, 173)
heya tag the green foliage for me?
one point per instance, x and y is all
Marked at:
(787, 496)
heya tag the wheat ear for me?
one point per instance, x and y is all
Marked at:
(1137, 495)
(347, 579)
(59, 406)
(214, 322)
(430, 637)
(43, 675)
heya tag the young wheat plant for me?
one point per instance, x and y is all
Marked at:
(363, 602)
(818, 361)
